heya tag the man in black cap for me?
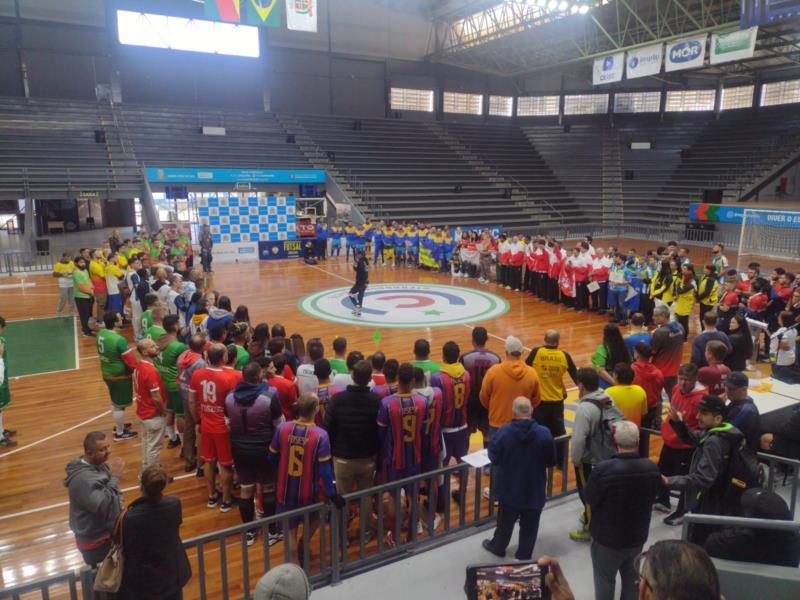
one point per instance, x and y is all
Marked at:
(714, 442)
(742, 412)
(765, 546)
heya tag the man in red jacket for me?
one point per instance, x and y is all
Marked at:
(647, 375)
(676, 454)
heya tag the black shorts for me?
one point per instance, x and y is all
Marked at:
(251, 470)
(477, 416)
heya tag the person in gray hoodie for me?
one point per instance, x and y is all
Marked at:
(95, 500)
(587, 447)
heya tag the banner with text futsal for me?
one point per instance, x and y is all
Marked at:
(720, 213)
(301, 15)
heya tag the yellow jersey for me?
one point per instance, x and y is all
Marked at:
(551, 364)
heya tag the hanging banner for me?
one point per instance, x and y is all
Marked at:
(229, 11)
(734, 45)
(688, 53)
(608, 69)
(264, 13)
(301, 15)
(644, 62)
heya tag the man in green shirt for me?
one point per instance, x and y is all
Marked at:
(5, 394)
(84, 294)
(150, 302)
(338, 363)
(156, 329)
(422, 354)
(111, 347)
(167, 364)
(240, 333)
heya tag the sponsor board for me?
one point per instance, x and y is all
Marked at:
(688, 53)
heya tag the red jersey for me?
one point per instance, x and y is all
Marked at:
(784, 292)
(758, 302)
(211, 386)
(146, 380)
(730, 299)
(287, 394)
(540, 261)
(688, 404)
(650, 378)
(713, 377)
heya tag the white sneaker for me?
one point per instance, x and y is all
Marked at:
(274, 538)
(437, 520)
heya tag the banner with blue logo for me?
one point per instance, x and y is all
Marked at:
(608, 69)
(209, 175)
(643, 62)
(279, 250)
(688, 53)
(495, 230)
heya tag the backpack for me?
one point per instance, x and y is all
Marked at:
(609, 416)
(743, 472)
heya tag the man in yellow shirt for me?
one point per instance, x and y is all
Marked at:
(97, 274)
(62, 271)
(631, 400)
(551, 364)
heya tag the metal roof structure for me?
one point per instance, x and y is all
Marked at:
(522, 37)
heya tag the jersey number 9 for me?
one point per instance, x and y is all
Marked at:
(409, 428)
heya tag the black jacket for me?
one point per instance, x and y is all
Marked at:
(786, 437)
(745, 417)
(155, 564)
(621, 491)
(351, 420)
(737, 357)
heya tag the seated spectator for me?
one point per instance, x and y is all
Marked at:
(784, 439)
(284, 582)
(765, 546)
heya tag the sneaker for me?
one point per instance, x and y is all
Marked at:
(674, 519)
(191, 466)
(582, 518)
(199, 473)
(125, 435)
(437, 520)
(225, 506)
(661, 507)
(260, 514)
(274, 538)
(213, 500)
(419, 527)
(487, 545)
(174, 442)
(8, 443)
(9, 432)
(250, 537)
(580, 535)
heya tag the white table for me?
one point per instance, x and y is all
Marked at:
(768, 402)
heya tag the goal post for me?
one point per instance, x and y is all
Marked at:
(768, 233)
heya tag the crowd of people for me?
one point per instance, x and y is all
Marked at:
(290, 422)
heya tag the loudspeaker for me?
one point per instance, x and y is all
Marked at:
(628, 175)
(712, 195)
(290, 138)
(99, 136)
(567, 128)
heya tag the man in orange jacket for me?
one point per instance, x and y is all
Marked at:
(504, 382)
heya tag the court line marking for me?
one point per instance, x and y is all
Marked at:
(75, 339)
(54, 435)
(42, 373)
(31, 511)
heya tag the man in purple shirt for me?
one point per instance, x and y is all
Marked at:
(477, 362)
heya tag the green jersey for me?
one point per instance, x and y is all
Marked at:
(167, 364)
(147, 320)
(427, 365)
(242, 358)
(338, 366)
(110, 348)
(5, 394)
(81, 277)
(154, 332)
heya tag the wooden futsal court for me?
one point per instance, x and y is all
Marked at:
(53, 411)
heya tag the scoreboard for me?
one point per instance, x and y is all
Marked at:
(767, 12)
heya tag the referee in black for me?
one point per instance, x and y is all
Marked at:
(361, 267)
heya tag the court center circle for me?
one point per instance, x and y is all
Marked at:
(406, 305)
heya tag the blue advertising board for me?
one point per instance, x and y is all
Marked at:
(210, 175)
(495, 230)
(723, 213)
(279, 250)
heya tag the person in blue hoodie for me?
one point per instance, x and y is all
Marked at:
(521, 452)
(221, 314)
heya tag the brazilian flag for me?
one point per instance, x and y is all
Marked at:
(263, 13)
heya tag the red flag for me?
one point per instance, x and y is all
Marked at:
(566, 279)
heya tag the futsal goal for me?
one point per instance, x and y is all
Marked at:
(768, 233)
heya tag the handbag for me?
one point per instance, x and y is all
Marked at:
(109, 572)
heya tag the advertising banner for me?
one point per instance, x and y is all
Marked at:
(720, 213)
(263, 13)
(495, 230)
(734, 45)
(644, 62)
(301, 15)
(235, 253)
(212, 175)
(688, 53)
(608, 69)
(280, 250)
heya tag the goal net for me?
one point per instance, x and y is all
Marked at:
(770, 234)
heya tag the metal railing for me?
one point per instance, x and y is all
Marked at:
(14, 263)
(331, 545)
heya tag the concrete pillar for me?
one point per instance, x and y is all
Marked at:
(29, 237)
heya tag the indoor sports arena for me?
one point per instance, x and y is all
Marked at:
(484, 299)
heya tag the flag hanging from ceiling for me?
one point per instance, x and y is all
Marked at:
(301, 15)
(734, 45)
(264, 13)
(229, 11)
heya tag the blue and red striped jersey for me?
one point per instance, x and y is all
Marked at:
(385, 389)
(477, 362)
(432, 428)
(455, 393)
(404, 416)
(300, 447)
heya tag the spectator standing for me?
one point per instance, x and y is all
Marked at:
(338, 362)
(422, 358)
(551, 364)
(629, 398)
(650, 379)
(638, 333)
(477, 362)
(151, 400)
(708, 291)
(611, 351)
(506, 381)
(741, 343)
(588, 445)
(84, 295)
(676, 453)
(206, 247)
(189, 362)
(306, 379)
(352, 426)
(521, 452)
(97, 274)
(714, 374)
(783, 350)
(710, 333)
(619, 281)
(5, 394)
(62, 271)
(95, 500)
(621, 491)
(667, 346)
(156, 565)
(742, 412)
(705, 484)
(764, 546)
